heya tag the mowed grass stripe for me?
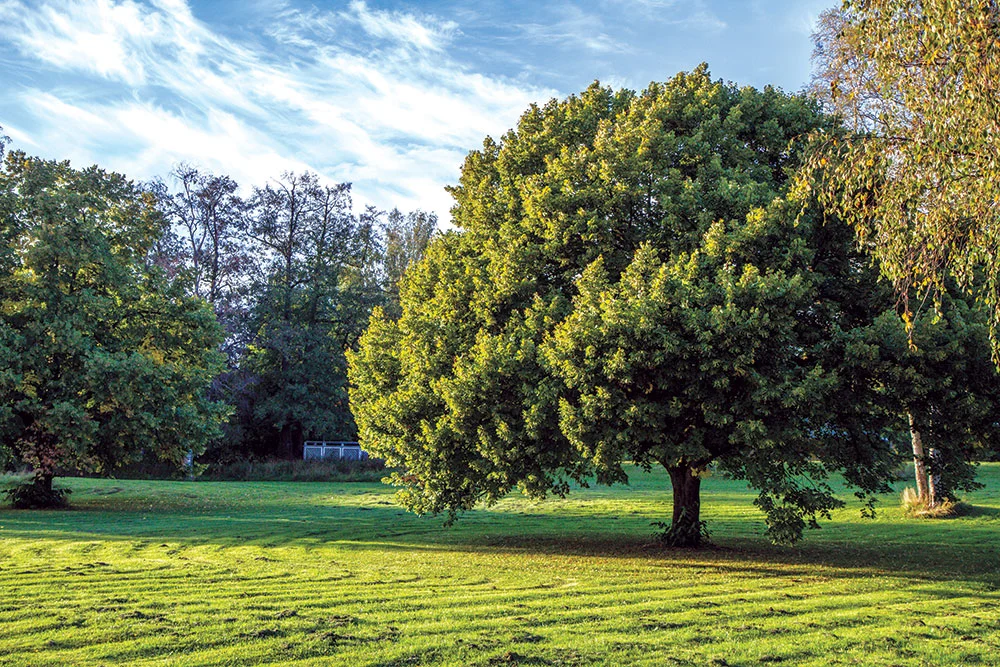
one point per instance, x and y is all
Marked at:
(217, 573)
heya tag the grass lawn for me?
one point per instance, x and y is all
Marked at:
(232, 573)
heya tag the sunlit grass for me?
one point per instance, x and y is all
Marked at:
(310, 573)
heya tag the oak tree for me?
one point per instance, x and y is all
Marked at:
(104, 357)
(627, 284)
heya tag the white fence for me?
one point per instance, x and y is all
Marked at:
(322, 449)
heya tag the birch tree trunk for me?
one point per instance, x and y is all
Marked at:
(932, 482)
(919, 463)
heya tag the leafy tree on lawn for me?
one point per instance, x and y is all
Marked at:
(937, 383)
(911, 171)
(918, 174)
(104, 357)
(628, 284)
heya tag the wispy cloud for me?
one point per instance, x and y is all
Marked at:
(359, 94)
(689, 14)
(426, 33)
(102, 37)
(574, 28)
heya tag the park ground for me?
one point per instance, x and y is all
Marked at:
(227, 573)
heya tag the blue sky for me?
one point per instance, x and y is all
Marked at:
(387, 95)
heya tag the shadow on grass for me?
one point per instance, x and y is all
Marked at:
(978, 512)
(361, 517)
(921, 558)
(917, 550)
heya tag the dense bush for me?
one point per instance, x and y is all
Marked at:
(32, 494)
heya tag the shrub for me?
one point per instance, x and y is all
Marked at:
(914, 507)
(33, 494)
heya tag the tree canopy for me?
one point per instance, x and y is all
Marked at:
(104, 357)
(935, 381)
(917, 173)
(628, 283)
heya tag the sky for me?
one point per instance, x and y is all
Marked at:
(389, 96)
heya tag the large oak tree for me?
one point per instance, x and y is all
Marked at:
(630, 282)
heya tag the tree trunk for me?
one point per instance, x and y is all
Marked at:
(919, 463)
(44, 481)
(286, 442)
(297, 440)
(933, 481)
(290, 441)
(685, 527)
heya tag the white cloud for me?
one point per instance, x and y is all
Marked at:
(102, 36)
(428, 34)
(143, 140)
(691, 15)
(23, 139)
(575, 28)
(395, 119)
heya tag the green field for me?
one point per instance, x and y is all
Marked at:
(226, 573)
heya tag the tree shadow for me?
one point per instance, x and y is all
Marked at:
(921, 559)
(979, 512)
(354, 519)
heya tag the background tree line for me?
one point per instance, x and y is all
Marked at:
(292, 273)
